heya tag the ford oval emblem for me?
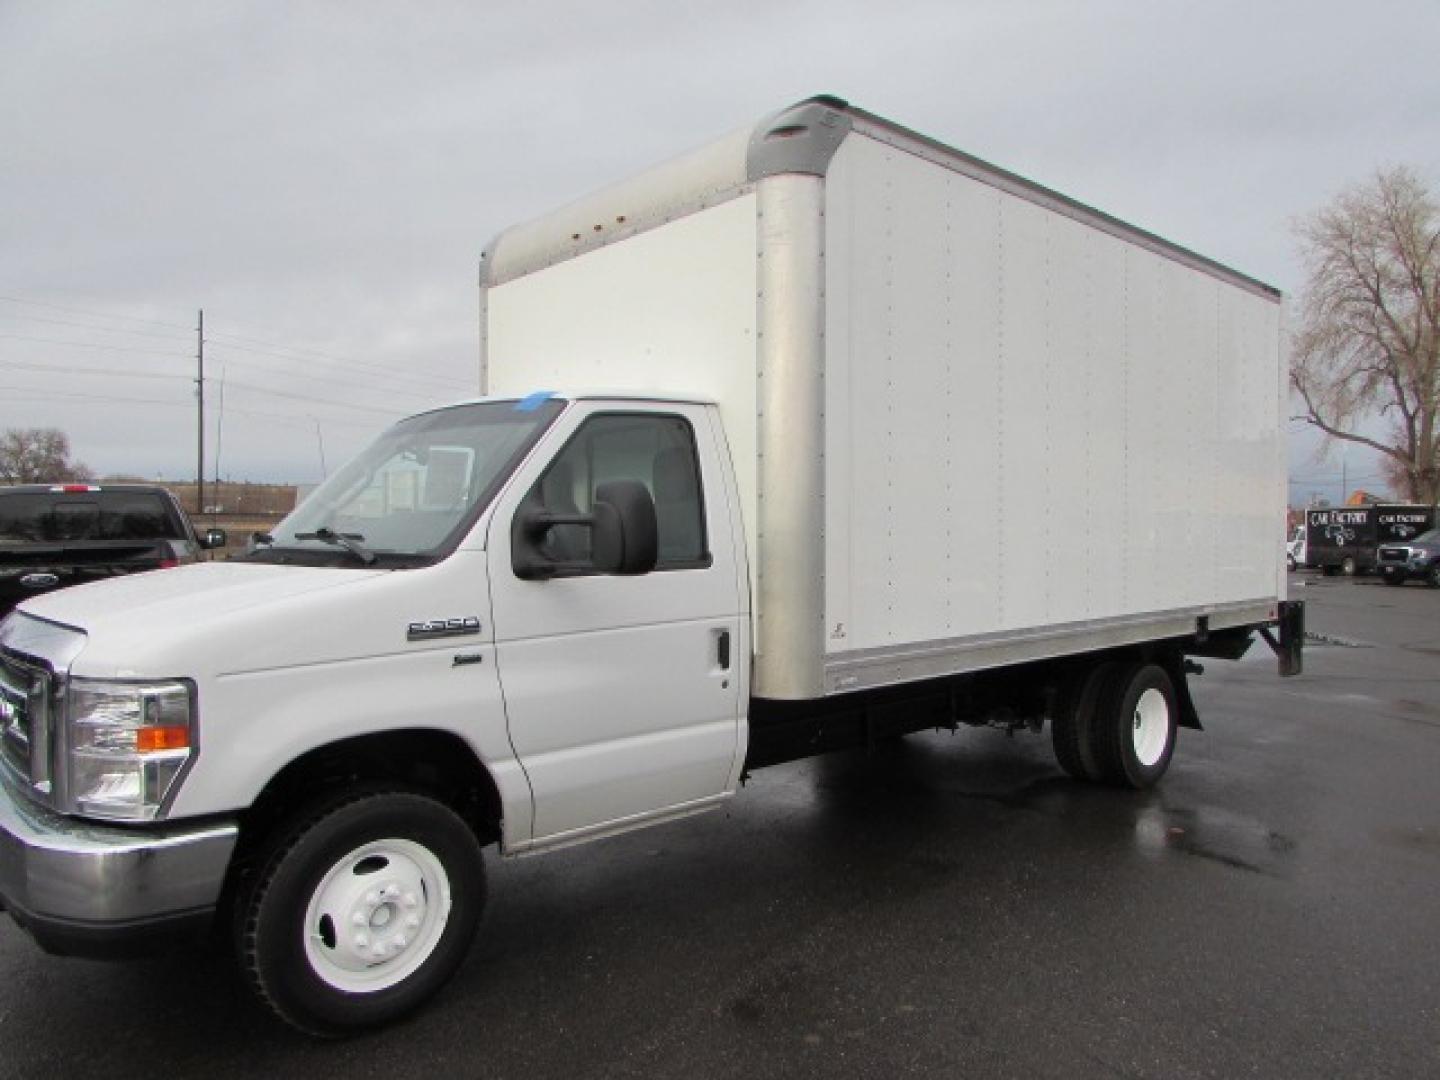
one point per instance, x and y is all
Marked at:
(39, 581)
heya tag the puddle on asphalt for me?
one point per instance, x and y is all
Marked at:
(1215, 835)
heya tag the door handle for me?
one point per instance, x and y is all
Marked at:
(722, 650)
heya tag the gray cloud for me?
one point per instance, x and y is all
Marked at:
(323, 176)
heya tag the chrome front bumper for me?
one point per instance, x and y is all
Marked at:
(86, 889)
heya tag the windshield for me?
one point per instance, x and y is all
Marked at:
(417, 488)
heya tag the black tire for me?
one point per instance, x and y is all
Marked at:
(1348, 566)
(1393, 579)
(1433, 577)
(1070, 731)
(1127, 754)
(337, 848)
(1330, 569)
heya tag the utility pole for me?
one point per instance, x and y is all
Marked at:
(200, 425)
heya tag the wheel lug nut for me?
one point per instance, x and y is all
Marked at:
(359, 918)
(412, 922)
(361, 940)
(411, 900)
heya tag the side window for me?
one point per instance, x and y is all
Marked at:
(659, 452)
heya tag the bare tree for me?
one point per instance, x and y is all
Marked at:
(37, 456)
(1369, 344)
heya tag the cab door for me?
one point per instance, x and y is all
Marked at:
(622, 694)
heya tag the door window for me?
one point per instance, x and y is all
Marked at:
(659, 452)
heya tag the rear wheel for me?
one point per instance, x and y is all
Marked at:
(1394, 579)
(1072, 730)
(362, 910)
(1330, 569)
(1433, 577)
(1135, 727)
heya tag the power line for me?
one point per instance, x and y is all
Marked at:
(25, 393)
(93, 314)
(379, 369)
(322, 401)
(92, 345)
(350, 378)
(282, 352)
(92, 326)
(114, 372)
(109, 373)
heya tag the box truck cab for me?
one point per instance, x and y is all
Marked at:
(550, 615)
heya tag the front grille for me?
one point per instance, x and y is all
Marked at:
(24, 741)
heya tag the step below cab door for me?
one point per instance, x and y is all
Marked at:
(622, 693)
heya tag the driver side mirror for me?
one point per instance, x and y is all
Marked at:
(624, 536)
(214, 538)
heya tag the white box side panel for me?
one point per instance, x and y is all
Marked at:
(670, 311)
(1030, 422)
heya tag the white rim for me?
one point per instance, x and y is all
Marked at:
(376, 916)
(1151, 729)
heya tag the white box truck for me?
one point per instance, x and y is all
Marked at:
(885, 439)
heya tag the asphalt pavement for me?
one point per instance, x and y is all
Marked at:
(954, 906)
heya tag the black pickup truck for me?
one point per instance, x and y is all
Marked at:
(1418, 558)
(52, 536)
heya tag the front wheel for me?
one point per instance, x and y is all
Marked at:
(362, 911)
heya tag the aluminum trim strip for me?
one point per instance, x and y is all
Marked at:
(903, 139)
(790, 438)
(870, 668)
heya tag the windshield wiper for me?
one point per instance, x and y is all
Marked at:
(349, 541)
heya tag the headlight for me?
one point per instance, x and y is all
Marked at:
(127, 743)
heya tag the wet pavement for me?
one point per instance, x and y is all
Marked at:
(954, 906)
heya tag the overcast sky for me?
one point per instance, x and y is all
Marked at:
(321, 177)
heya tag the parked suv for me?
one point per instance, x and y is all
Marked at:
(68, 534)
(1418, 558)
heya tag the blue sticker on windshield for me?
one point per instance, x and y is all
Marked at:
(534, 401)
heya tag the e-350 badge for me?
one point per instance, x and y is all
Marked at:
(434, 628)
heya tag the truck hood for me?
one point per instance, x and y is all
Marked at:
(161, 618)
(186, 594)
